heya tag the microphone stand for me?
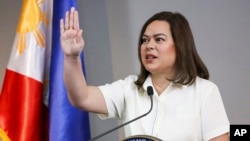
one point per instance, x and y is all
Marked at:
(150, 93)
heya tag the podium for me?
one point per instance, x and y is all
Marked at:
(141, 138)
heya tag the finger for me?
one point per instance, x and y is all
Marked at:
(71, 20)
(61, 26)
(66, 24)
(76, 20)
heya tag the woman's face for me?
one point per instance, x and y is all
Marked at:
(158, 49)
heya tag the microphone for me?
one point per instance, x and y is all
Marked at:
(150, 93)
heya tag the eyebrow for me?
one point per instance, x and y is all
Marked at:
(156, 35)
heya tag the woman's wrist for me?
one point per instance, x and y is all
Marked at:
(72, 58)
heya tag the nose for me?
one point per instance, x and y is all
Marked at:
(150, 45)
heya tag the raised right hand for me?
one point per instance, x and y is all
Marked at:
(72, 42)
(88, 98)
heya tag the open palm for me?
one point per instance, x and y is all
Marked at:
(72, 42)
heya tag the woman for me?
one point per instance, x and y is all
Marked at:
(186, 102)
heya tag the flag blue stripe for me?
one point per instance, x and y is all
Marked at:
(66, 123)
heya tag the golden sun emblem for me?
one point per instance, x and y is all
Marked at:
(3, 136)
(30, 18)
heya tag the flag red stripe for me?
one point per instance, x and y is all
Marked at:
(21, 106)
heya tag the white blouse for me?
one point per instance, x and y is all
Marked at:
(181, 113)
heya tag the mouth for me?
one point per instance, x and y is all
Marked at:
(150, 57)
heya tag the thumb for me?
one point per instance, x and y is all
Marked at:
(79, 38)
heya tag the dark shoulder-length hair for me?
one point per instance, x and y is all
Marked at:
(188, 63)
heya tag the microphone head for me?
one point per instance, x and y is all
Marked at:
(150, 90)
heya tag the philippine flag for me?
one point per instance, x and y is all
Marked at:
(22, 112)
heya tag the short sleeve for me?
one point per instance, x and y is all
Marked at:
(214, 119)
(114, 95)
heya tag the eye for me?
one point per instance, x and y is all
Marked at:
(144, 40)
(159, 40)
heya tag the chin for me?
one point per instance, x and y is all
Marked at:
(150, 69)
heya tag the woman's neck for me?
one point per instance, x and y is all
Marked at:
(160, 83)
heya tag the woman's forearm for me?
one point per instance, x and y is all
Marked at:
(74, 80)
